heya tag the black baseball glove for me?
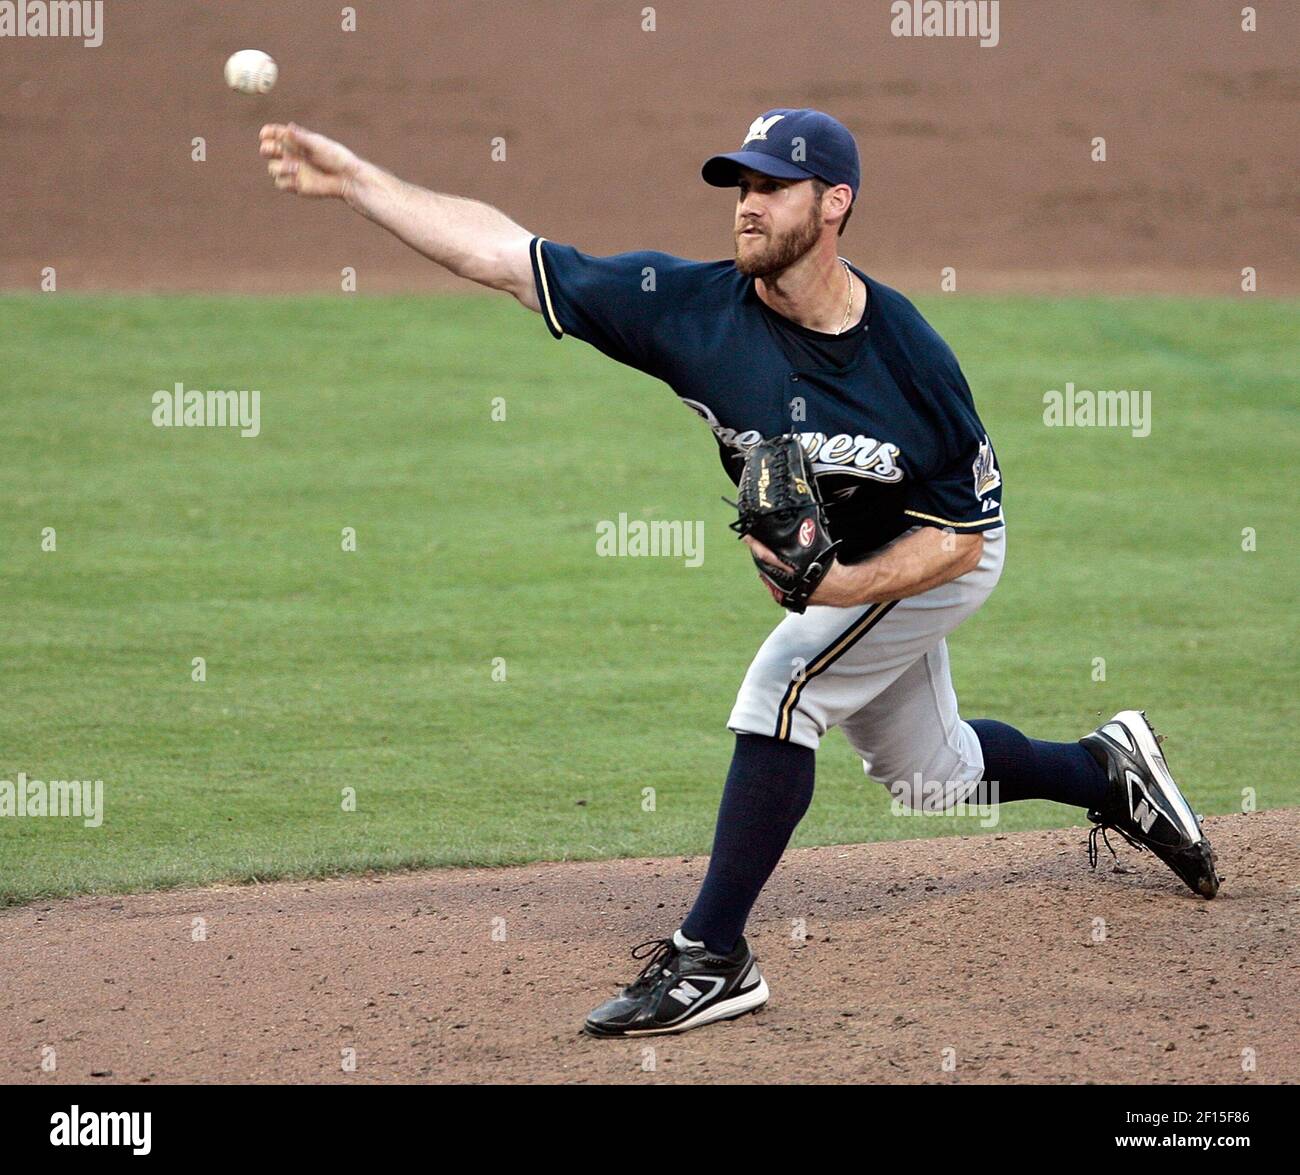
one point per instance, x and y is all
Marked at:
(779, 507)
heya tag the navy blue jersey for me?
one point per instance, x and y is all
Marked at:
(891, 429)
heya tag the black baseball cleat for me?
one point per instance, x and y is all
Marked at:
(682, 986)
(1144, 804)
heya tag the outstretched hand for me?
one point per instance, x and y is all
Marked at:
(305, 163)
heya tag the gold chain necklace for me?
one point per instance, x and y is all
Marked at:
(848, 310)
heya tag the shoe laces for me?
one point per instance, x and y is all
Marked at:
(659, 950)
(1099, 829)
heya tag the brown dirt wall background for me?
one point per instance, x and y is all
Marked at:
(976, 158)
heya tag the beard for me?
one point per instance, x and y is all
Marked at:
(777, 253)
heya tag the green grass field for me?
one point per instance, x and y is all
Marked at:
(476, 540)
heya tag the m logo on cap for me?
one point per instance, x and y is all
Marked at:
(760, 126)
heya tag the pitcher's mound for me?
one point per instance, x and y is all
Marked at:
(997, 958)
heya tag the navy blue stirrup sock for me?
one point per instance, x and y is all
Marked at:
(1027, 769)
(769, 788)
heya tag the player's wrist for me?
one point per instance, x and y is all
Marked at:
(361, 185)
(842, 587)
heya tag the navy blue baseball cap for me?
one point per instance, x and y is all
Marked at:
(791, 145)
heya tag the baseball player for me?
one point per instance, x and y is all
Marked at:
(789, 338)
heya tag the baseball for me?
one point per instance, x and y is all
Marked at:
(250, 71)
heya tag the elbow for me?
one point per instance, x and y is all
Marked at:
(487, 269)
(509, 268)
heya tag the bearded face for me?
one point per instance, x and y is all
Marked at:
(771, 243)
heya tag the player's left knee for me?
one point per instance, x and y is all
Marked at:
(934, 786)
(923, 794)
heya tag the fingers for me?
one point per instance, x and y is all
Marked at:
(301, 139)
(284, 171)
(270, 140)
(301, 161)
(763, 554)
(277, 138)
(276, 146)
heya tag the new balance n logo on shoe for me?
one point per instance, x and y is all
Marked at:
(686, 993)
(681, 987)
(1144, 812)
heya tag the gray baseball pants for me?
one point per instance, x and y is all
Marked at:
(880, 672)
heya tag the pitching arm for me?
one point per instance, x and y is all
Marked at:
(471, 239)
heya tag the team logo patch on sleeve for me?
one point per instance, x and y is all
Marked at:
(987, 477)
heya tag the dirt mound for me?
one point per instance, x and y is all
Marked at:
(975, 158)
(1005, 950)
